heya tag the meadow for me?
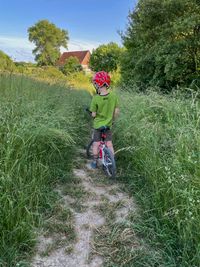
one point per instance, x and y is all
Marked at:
(52, 75)
(158, 142)
(157, 145)
(40, 127)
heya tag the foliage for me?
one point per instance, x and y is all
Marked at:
(81, 80)
(106, 57)
(25, 64)
(115, 78)
(48, 73)
(71, 65)
(162, 44)
(52, 75)
(48, 39)
(158, 141)
(21, 65)
(6, 62)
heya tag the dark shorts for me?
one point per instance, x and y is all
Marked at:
(97, 135)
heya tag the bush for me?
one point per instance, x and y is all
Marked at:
(71, 65)
(82, 81)
(6, 64)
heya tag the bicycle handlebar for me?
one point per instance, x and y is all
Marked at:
(87, 109)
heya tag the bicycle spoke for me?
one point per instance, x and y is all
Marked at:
(109, 166)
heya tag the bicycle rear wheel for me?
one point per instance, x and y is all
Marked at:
(109, 167)
(89, 150)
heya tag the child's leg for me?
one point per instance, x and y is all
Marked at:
(95, 150)
(110, 146)
(109, 141)
(96, 143)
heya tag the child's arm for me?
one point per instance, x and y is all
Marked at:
(93, 108)
(94, 114)
(116, 110)
(116, 113)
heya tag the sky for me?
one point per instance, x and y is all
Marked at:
(89, 23)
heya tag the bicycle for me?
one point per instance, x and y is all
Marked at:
(105, 156)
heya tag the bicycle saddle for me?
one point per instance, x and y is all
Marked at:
(103, 129)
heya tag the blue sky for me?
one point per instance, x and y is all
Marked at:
(89, 22)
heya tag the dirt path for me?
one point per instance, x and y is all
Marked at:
(102, 203)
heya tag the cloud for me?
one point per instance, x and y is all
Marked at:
(20, 49)
(82, 45)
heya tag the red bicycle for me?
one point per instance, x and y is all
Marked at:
(105, 156)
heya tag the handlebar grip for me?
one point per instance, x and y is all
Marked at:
(87, 109)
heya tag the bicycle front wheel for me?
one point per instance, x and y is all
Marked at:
(109, 166)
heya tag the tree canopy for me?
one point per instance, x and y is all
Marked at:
(162, 42)
(106, 57)
(48, 39)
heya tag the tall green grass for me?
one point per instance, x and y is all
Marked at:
(158, 139)
(40, 127)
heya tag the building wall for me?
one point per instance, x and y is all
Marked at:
(86, 59)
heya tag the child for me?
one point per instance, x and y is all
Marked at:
(104, 108)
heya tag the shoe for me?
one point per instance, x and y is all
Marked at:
(93, 165)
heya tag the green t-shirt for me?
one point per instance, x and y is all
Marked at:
(104, 106)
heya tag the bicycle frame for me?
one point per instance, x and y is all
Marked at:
(101, 152)
(102, 145)
(105, 156)
(107, 159)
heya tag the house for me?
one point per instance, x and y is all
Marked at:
(82, 56)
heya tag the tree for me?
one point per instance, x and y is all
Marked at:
(6, 62)
(106, 57)
(48, 39)
(162, 42)
(71, 65)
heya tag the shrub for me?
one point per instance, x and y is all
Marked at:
(6, 64)
(71, 65)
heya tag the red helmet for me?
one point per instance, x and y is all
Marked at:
(100, 79)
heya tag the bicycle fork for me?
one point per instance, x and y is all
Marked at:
(101, 154)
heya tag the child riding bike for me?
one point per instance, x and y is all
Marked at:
(104, 108)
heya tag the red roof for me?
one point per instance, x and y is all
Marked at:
(81, 55)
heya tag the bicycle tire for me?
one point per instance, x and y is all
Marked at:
(89, 150)
(110, 166)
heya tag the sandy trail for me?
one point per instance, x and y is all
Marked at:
(85, 222)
